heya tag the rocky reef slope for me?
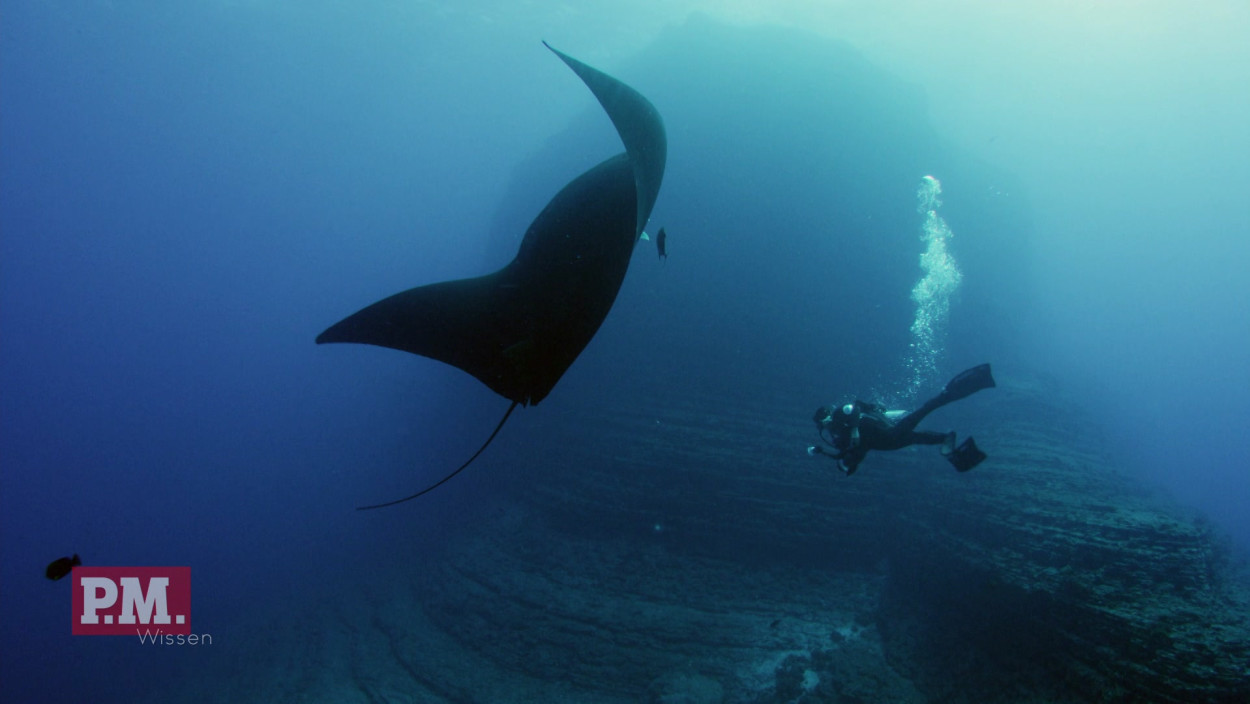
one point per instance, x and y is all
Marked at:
(688, 551)
(1043, 574)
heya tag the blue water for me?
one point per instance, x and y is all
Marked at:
(190, 192)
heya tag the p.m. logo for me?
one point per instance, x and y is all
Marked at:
(127, 601)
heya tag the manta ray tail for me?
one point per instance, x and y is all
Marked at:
(442, 481)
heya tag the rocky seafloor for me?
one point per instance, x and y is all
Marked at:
(688, 551)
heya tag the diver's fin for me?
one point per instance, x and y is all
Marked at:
(966, 456)
(442, 481)
(968, 382)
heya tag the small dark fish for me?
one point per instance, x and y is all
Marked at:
(661, 243)
(60, 567)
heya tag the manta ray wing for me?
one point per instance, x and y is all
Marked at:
(519, 329)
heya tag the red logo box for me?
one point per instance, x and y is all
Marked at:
(127, 601)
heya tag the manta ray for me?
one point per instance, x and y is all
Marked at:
(519, 329)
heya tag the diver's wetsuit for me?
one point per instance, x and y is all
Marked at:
(868, 426)
(877, 432)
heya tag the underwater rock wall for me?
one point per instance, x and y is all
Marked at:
(1042, 573)
(673, 472)
(705, 558)
(1055, 563)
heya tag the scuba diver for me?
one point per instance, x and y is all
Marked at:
(858, 427)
